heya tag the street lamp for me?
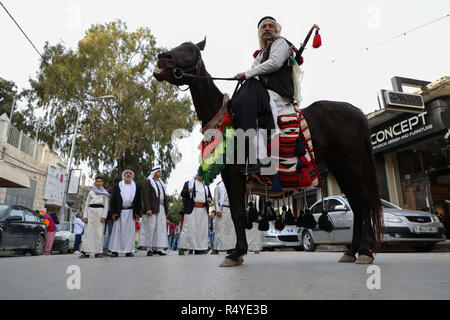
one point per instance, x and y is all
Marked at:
(72, 149)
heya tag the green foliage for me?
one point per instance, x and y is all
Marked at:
(131, 130)
(8, 90)
(175, 206)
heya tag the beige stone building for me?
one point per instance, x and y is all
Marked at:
(31, 175)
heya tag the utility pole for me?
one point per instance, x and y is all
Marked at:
(72, 150)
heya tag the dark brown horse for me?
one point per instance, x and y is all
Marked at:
(340, 138)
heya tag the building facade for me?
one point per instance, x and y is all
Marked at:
(31, 175)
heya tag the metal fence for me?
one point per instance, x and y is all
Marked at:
(24, 143)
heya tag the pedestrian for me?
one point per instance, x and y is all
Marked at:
(95, 213)
(253, 235)
(212, 230)
(153, 234)
(109, 222)
(126, 207)
(194, 235)
(176, 236)
(170, 232)
(51, 231)
(225, 237)
(78, 230)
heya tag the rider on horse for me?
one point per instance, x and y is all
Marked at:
(278, 72)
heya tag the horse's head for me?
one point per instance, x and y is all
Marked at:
(184, 58)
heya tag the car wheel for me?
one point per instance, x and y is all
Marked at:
(65, 247)
(425, 248)
(308, 242)
(38, 247)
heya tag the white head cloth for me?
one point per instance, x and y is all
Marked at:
(153, 183)
(127, 193)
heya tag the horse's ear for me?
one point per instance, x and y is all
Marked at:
(201, 45)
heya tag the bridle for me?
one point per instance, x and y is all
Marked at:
(179, 73)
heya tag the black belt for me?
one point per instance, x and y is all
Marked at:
(225, 206)
(127, 208)
(96, 206)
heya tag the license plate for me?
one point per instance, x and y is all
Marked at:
(419, 229)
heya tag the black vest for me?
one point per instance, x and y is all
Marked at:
(279, 81)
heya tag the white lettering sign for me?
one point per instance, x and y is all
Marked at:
(399, 131)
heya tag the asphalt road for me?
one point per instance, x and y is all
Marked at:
(287, 275)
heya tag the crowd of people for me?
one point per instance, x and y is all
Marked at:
(130, 217)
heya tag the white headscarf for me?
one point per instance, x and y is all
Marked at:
(127, 193)
(153, 182)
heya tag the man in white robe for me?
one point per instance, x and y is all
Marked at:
(126, 207)
(225, 234)
(253, 235)
(194, 235)
(95, 212)
(152, 234)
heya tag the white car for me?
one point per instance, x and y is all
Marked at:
(421, 230)
(64, 237)
(288, 237)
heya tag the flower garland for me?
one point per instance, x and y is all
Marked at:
(213, 155)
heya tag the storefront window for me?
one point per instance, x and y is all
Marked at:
(419, 167)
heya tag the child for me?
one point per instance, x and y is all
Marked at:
(95, 212)
(51, 231)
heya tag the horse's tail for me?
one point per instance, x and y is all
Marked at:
(375, 194)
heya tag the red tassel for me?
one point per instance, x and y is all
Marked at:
(317, 42)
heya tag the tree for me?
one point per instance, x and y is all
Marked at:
(8, 90)
(175, 206)
(131, 130)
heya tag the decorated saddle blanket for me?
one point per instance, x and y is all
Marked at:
(294, 158)
(296, 167)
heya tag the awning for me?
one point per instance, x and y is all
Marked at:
(12, 177)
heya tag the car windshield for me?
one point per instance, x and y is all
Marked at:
(63, 226)
(388, 205)
(3, 208)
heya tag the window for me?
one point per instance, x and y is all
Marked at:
(332, 203)
(16, 213)
(318, 208)
(30, 216)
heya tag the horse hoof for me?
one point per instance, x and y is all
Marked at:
(231, 263)
(362, 259)
(347, 259)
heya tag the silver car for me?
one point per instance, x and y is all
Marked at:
(288, 237)
(419, 229)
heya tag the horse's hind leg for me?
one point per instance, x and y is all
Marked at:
(365, 255)
(350, 255)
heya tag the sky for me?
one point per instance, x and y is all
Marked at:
(353, 64)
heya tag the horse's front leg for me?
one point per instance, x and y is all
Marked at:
(235, 184)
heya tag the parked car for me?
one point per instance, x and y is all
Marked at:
(288, 237)
(64, 238)
(421, 230)
(21, 229)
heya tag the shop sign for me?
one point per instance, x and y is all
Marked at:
(401, 131)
